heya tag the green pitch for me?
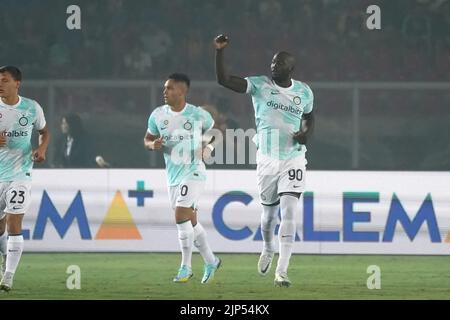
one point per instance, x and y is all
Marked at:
(149, 276)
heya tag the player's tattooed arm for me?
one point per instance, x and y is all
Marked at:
(306, 130)
(234, 83)
(152, 142)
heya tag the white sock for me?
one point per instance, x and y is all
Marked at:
(202, 245)
(186, 239)
(3, 249)
(269, 219)
(3, 241)
(286, 233)
(15, 248)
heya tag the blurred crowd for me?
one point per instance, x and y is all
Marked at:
(143, 39)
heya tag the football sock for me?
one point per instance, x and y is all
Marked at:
(3, 241)
(269, 219)
(186, 239)
(14, 248)
(202, 245)
(286, 234)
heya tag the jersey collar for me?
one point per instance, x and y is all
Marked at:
(169, 110)
(11, 106)
(282, 88)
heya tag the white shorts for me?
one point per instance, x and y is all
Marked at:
(15, 197)
(186, 194)
(278, 176)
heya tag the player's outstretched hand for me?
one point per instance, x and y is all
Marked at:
(300, 137)
(221, 41)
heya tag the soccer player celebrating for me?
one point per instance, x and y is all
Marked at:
(284, 121)
(178, 129)
(18, 117)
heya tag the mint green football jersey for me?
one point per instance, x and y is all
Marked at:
(16, 124)
(182, 135)
(278, 115)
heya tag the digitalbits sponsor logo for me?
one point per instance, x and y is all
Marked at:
(14, 134)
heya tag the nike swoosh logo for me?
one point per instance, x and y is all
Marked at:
(274, 92)
(296, 186)
(17, 208)
(265, 269)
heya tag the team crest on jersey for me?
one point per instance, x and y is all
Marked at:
(23, 121)
(187, 125)
(165, 123)
(297, 100)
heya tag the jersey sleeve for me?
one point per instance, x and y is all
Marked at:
(39, 122)
(152, 127)
(309, 107)
(207, 119)
(252, 84)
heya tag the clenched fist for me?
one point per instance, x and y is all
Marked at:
(220, 42)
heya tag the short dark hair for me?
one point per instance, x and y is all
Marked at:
(180, 77)
(13, 71)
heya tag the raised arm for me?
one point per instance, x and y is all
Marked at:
(234, 83)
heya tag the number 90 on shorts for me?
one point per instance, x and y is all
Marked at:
(186, 194)
(278, 176)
